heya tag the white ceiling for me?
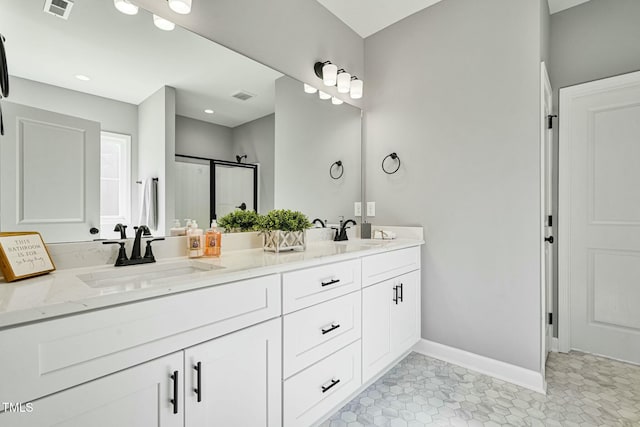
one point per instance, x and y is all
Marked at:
(367, 17)
(128, 59)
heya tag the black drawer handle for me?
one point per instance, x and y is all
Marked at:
(332, 328)
(395, 294)
(401, 292)
(330, 282)
(326, 388)
(198, 389)
(174, 401)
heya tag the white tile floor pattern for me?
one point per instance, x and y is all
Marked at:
(582, 390)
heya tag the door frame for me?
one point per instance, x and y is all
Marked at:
(566, 97)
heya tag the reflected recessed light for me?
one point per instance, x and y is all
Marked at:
(126, 7)
(83, 77)
(309, 88)
(182, 7)
(163, 24)
(209, 111)
(336, 101)
(323, 95)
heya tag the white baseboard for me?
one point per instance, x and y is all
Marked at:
(503, 371)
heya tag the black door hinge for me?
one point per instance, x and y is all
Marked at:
(549, 220)
(550, 120)
(550, 319)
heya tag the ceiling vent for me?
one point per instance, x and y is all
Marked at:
(59, 8)
(243, 95)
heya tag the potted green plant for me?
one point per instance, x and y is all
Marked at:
(283, 230)
(239, 221)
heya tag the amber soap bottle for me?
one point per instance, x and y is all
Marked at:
(213, 241)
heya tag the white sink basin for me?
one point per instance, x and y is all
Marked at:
(145, 275)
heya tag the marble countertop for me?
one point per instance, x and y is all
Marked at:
(66, 292)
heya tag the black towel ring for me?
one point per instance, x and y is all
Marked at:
(339, 165)
(394, 156)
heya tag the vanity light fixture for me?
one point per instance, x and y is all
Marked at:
(309, 89)
(209, 111)
(343, 81)
(356, 88)
(83, 77)
(163, 24)
(323, 95)
(126, 7)
(327, 71)
(183, 7)
(336, 101)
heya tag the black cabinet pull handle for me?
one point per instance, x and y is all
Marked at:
(174, 401)
(326, 388)
(395, 294)
(401, 292)
(332, 328)
(198, 389)
(330, 282)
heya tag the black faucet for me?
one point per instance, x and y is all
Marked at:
(341, 232)
(136, 257)
(122, 229)
(318, 220)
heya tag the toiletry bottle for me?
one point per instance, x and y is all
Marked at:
(176, 230)
(213, 240)
(194, 241)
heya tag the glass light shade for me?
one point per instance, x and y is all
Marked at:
(309, 88)
(163, 24)
(126, 7)
(356, 89)
(344, 82)
(182, 7)
(329, 74)
(323, 95)
(336, 101)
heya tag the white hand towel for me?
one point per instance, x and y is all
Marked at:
(149, 204)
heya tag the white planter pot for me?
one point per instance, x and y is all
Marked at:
(280, 241)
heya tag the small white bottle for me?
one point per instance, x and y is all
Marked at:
(177, 230)
(194, 241)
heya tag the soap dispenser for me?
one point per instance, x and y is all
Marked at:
(213, 240)
(194, 240)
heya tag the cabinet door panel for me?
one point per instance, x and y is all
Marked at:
(405, 315)
(240, 383)
(376, 329)
(136, 397)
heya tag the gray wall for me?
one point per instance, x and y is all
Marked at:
(311, 134)
(287, 35)
(156, 155)
(203, 139)
(597, 39)
(256, 139)
(454, 90)
(114, 116)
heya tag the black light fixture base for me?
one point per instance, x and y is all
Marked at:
(317, 67)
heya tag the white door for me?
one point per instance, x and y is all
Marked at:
(234, 186)
(49, 174)
(240, 379)
(600, 217)
(136, 397)
(546, 159)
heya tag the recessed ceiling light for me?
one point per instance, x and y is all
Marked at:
(83, 77)
(209, 111)
(163, 24)
(126, 7)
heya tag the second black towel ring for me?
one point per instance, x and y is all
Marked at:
(339, 165)
(393, 156)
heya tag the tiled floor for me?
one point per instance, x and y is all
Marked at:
(583, 390)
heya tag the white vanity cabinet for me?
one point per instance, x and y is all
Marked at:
(136, 397)
(390, 309)
(235, 381)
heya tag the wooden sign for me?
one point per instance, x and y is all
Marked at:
(23, 255)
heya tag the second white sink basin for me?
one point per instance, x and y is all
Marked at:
(145, 275)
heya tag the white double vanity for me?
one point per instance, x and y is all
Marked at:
(250, 339)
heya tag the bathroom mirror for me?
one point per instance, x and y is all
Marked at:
(101, 103)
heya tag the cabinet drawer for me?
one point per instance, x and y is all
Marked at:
(49, 356)
(376, 268)
(316, 332)
(303, 288)
(314, 392)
